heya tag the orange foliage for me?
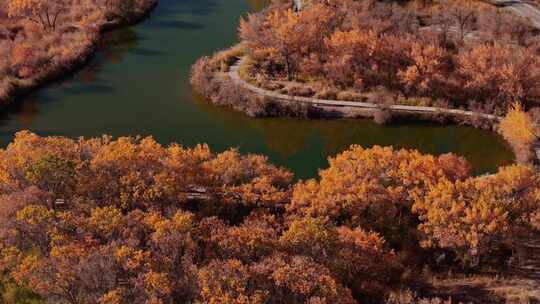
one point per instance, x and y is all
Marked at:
(479, 215)
(364, 45)
(143, 223)
(140, 221)
(370, 188)
(428, 70)
(287, 38)
(42, 12)
(501, 71)
(517, 127)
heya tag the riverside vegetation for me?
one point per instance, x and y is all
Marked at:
(130, 221)
(44, 39)
(458, 54)
(127, 220)
(446, 54)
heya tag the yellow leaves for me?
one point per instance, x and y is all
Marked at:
(10, 257)
(181, 222)
(500, 71)
(352, 53)
(303, 278)
(157, 283)
(24, 271)
(283, 22)
(262, 190)
(226, 167)
(249, 180)
(106, 221)
(309, 231)
(321, 246)
(77, 250)
(361, 238)
(368, 186)
(285, 39)
(256, 237)
(228, 283)
(517, 126)
(114, 296)
(35, 215)
(28, 149)
(471, 216)
(131, 258)
(128, 149)
(132, 173)
(152, 219)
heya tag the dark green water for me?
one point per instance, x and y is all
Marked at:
(138, 84)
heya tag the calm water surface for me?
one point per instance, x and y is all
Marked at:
(138, 84)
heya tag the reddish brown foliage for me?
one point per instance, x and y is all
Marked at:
(131, 221)
(42, 38)
(457, 51)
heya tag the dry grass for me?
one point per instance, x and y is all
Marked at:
(30, 55)
(221, 61)
(350, 95)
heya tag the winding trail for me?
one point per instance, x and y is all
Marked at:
(346, 107)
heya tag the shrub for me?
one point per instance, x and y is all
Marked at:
(300, 90)
(380, 95)
(349, 96)
(202, 77)
(222, 60)
(247, 70)
(326, 93)
(479, 218)
(382, 116)
(270, 85)
(519, 129)
(229, 94)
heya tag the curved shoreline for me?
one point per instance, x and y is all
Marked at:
(71, 65)
(347, 108)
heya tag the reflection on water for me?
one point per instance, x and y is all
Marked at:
(115, 45)
(305, 144)
(138, 83)
(112, 49)
(28, 110)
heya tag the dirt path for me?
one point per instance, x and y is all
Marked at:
(528, 264)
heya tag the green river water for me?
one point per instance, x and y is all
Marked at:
(138, 84)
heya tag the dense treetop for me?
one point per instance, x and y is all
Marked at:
(130, 221)
(465, 53)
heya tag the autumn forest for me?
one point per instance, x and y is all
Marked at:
(145, 219)
(131, 221)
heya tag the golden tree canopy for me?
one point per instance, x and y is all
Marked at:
(518, 127)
